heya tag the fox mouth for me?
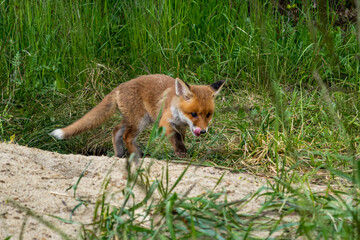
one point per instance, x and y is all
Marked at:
(197, 132)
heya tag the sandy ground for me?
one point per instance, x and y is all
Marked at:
(38, 180)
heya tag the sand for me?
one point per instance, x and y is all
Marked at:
(39, 180)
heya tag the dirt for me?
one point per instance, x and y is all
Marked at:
(39, 180)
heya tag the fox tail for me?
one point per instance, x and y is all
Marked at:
(98, 115)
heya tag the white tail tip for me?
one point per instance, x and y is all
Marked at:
(58, 133)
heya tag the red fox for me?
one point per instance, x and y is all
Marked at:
(140, 101)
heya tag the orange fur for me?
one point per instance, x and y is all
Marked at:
(140, 101)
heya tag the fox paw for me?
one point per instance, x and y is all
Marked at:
(181, 154)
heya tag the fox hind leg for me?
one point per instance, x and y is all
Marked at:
(129, 136)
(117, 139)
(126, 132)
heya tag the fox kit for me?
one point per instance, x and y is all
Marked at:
(140, 101)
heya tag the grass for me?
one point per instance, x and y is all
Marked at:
(290, 108)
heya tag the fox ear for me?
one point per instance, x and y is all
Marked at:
(217, 86)
(182, 89)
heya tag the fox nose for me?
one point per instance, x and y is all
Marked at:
(203, 131)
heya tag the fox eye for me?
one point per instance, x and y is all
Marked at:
(208, 115)
(193, 114)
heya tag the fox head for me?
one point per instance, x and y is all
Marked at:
(196, 104)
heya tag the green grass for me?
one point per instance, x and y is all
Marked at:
(290, 108)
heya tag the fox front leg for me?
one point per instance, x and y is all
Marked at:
(177, 142)
(176, 138)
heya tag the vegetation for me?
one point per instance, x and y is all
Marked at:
(290, 108)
